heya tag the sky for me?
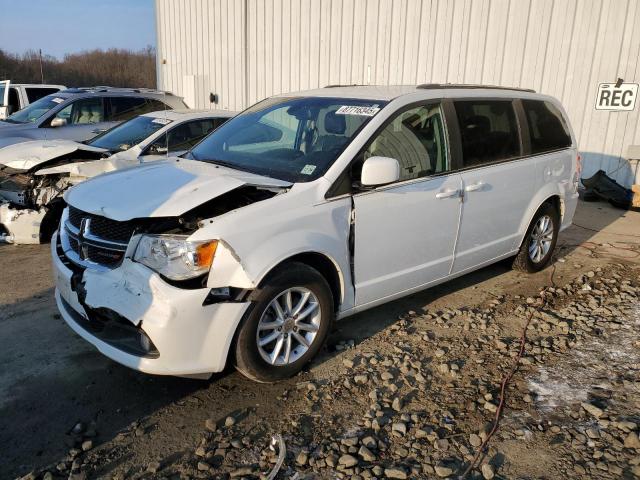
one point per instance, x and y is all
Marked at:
(68, 26)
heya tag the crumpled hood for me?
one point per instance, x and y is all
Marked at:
(165, 188)
(26, 155)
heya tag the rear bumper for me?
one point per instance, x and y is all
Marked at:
(189, 338)
(570, 205)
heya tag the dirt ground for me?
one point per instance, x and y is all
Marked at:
(406, 390)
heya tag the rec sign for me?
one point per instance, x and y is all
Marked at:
(611, 97)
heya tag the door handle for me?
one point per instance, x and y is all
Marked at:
(448, 193)
(474, 187)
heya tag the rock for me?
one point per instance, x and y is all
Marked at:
(302, 458)
(201, 451)
(210, 425)
(632, 441)
(348, 363)
(348, 461)
(395, 472)
(229, 421)
(78, 428)
(487, 471)
(369, 442)
(361, 379)
(475, 440)
(397, 404)
(87, 445)
(241, 472)
(592, 409)
(203, 466)
(366, 454)
(443, 470)
(153, 467)
(399, 428)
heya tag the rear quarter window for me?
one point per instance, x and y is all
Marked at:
(548, 129)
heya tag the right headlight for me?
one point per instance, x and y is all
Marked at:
(174, 257)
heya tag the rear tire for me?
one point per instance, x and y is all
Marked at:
(286, 324)
(540, 241)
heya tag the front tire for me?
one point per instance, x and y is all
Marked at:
(540, 241)
(286, 324)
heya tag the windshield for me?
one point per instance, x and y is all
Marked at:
(128, 134)
(35, 110)
(293, 139)
(3, 85)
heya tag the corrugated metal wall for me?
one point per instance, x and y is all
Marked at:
(245, 50)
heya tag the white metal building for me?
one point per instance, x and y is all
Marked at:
(242, 51)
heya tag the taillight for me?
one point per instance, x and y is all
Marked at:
(578, 164)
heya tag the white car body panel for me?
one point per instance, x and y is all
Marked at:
(386, 265)
(128, 194)
(27, 155)
(496, 198)
(408, 236)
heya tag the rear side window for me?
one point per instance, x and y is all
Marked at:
(488, 131)
(547, 127)
(187, 134)
(36, 93)
(124, 108)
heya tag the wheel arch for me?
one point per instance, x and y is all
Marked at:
(552, 198)
(324, 264)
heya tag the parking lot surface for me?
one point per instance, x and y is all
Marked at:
(406, 390)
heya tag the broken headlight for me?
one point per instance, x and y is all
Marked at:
(174, 257)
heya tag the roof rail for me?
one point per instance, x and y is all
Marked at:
(350, 85)
(437, 86)
(106, 88)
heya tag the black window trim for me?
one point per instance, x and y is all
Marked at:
(454, 142)
(331, 192)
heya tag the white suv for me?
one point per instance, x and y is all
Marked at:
(305, 208)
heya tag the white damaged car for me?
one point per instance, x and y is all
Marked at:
(34, 175)
(305, 208)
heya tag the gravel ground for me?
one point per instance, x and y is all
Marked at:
(407, 390)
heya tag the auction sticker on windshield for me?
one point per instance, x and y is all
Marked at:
(308, 169)
(357, 110)
(57, 100)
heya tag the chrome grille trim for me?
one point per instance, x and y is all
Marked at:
(73, 242)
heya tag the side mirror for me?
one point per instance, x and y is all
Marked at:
(379, 171)
(58, 122)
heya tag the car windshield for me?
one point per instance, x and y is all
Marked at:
(127, 134)
(35, 110)
(2, 88)
(294, 139)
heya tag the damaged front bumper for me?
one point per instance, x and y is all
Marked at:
(131, 315)
(20, 226)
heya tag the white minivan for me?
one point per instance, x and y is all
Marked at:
(305, 208)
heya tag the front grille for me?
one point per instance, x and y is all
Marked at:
(93, 239)
(102, 227)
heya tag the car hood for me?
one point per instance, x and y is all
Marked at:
(166, 188)
(26, 155)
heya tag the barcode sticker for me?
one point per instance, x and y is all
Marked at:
(355, 110)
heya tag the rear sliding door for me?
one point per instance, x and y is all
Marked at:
(498, 183)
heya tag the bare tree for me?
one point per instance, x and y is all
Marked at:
(113, 67)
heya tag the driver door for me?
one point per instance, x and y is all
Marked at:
(405, 233)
